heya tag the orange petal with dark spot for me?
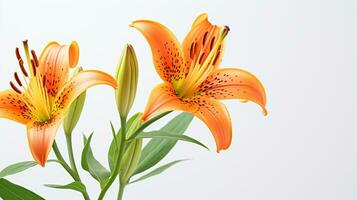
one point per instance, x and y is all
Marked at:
(210, 111)
(200, 40)
(234, 83)
(13, 107)
(166, 50)
(80, 83)
(41, 136)
(54, 64)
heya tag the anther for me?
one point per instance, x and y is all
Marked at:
(34, 56)
(212, 43)
(44, 81)
(17, 53)
(201, 58)
(33, 64)
(15, 88)
(17, 79)
(23, 70)
(204, 38)
(191, 50)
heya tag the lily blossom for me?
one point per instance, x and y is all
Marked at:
(193, 81)
(41, 93)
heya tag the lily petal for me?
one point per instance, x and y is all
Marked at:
(80, 83)
(215, 115)
(54, 64)
(41, 136)
(210, 111)
(166, 50)
(200, 41)
(13, 107)
(162, 98)
(233, 83)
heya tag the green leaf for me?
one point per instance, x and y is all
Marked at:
(114, 146)
(93, 166)
(170, 136)
(157, 148)
(157, 171)
(19, 167)
(77, 186)
(10, 191)
(16, 168)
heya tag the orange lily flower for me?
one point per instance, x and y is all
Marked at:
(193, 81)
(41, 94)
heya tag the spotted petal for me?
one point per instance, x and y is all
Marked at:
(41, 136)
(210, 111)
(166, 50)
(78, 84)
(13, 107)
(200, 41)
(233, 83)
(54, 64)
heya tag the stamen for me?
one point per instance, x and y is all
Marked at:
(216, 58)
(225, 31)
(34, 56)
(17, 79)
(191, 50)
(212, 43)
(33, 67)
(15, 88)
(201, 58)
(17, 53)
(195, 48)
(23, 70)
(204, 38)
(44, 81)
(28, 57)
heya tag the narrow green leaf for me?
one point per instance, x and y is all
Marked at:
(19, 167)
(93, 166)
(16, 168)
(157, 171)
(77, 186)
(170, 136)
(157, 148)
(11, 191)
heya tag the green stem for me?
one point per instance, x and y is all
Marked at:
(62, 161)
(148, 123)
(121, 191)
(68, 168)
(115, 172)
(71, 155)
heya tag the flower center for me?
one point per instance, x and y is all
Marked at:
(33, 91)
(200, 67)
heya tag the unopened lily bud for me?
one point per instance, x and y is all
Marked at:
(127, 77)
(74, 111)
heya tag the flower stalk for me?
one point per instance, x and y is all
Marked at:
(115, 172)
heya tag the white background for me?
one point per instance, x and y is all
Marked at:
(303, 51)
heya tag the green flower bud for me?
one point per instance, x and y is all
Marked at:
(74, 111)
(127, 77)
